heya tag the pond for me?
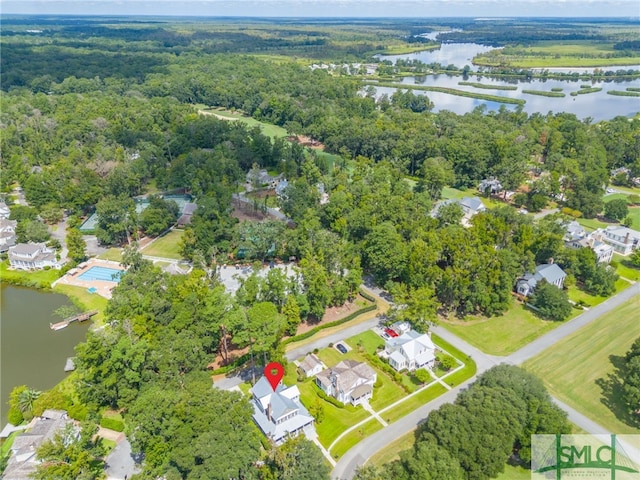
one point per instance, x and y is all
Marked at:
(30, 352)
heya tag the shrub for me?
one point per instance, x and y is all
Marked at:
(14, 416)
(112, 424)
(447, 362)
(78, 412)
(328, 398)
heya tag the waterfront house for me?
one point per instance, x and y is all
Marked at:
(348, 382)
(7, 234)
(32, 256)
(279, 413)
(22, 462)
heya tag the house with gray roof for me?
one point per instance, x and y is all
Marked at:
(22, 462)
(490, 186)
(7, 234)
(32, 256)
(573, 231)
(348, 382)
(470, 206)
(604, 252)
(550, 272)
(624, 240)
(311, 365)
(409, 351)
(279, 413)
(4, 210)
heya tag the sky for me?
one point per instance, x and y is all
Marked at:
(330, 8)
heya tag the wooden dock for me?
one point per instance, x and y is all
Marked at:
(80, 317)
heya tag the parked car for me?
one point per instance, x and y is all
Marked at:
(341, 348)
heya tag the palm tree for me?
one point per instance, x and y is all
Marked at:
(26, 399)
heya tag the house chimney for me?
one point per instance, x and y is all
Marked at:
(626, 239)
(268, 412)
(551, 261)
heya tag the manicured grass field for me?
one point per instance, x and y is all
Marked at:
(504, 334)
(578, 295)
(514, 473)
(84, 300)
(37, 278)
(392, 451)
(593, 223)
(634, 213)
(625, 269)
(113, 254)
(353, 437)
(166, 246)
(576, 369)
(273, 131)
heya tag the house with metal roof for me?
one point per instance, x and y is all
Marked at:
(550, 272)
(348, 382)
(279, 413)
(624, 240)
(32, 256)
(409, 351)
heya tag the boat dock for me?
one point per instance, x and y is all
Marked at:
(80, 317)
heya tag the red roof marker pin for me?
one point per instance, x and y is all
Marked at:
(274, 373)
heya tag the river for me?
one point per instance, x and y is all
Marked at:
(30, 352)
(598, 106)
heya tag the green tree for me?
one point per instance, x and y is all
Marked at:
(631, 380)
(116, 221)
(616, 209)
(551, 301)
(291, 312)
(32, 231)
(71, 455)
(297, 458)
(76, 245)
(449, 213)
(158, 216)
(436, 173)
(384, 253)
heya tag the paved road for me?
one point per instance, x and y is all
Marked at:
(120, 464)
(358, 455)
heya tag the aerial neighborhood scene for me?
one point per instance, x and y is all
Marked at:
(299, 240)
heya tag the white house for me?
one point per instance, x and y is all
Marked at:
(348, 382)
(410, 351)
(624, 240)
(573, 231)
(311, 365)
(4, 210)
(7, 234)
(490, 185)
(604, 252)
(550, 272)
(31, 256)
(470, 206)
(279, 413)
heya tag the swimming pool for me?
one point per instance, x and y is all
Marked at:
(102, 273)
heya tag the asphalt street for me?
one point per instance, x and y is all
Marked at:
(362, 451)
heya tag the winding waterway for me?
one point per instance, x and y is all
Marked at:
(30, 352)
(598, 105)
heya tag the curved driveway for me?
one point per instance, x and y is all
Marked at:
(360, 453)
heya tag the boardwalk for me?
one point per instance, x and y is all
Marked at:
(80, 317)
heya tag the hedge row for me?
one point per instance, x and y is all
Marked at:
(112, 424)
(388, 369)
(328, 398)
(366, 296)
(313, 331)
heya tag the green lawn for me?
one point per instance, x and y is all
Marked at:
(514, 473)
(37, 278)
(392, 451)
(504, 334)
(267, 129)
(84, 300)
(353, 437)
(624, 267)
(396, 413)
(166, 246)
(634, 213)
(113, 254)
(593, 223)
(576, 370)
(577, 295)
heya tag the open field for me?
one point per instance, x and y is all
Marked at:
(353, 437)
(576, 369)
(114, 254)
(84, 300)
(392, 451)
(577, 295)
(166, 246)
(267, 129)
(37, 279)
(504, 334)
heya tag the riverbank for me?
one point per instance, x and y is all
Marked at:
(43, 279)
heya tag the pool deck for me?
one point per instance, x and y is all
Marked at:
(103, 287)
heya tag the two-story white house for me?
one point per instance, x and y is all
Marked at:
(32, 256)
(348, 382)
(279, 413)
(410, 351)
(624, 240)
